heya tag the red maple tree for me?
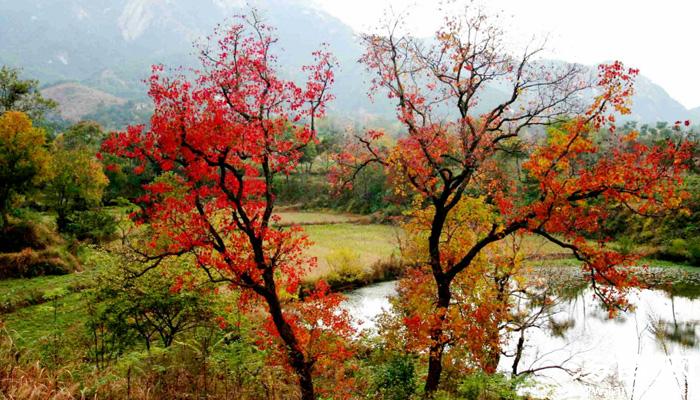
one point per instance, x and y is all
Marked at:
(457, 135)
(219, 136)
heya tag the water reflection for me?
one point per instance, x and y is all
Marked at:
(650, 353)
(683, 333)
(366, 303)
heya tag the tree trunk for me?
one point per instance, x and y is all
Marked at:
(437, 345)
(61, 220)
(296, 357)
(5, 216)
(518, 353)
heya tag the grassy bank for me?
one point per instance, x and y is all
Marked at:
(349, 251)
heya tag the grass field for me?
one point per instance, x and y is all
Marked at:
(34, 315)
(38, 309)
(32, 325)
(17, 292)
(371, 243)
(318, 218)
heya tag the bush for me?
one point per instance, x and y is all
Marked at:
(396, 379)
(27, 234)
(29, 263)
(694, 251)
(345, 267)
(675, 250)
(94, 226)
(386, 270)
(625, 245)
(481, 386)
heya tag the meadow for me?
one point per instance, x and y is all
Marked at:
(350, 252)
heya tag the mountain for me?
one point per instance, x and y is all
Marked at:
(652, 103)
(109, 45)
(80, 39)
(695, 114)
(76, 101)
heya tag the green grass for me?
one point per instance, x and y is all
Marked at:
(28, 291)
(570, 261)
(22, 292)
(30, 325)
(317, 218)
(652, 262)
(373, 243)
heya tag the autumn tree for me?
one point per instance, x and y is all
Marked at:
(22, 95)
(221, 138)
(24, 159)
(456, 140)
(480, 295)
(78, 180)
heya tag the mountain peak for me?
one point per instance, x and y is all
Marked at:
(136, 18)
(78, 40)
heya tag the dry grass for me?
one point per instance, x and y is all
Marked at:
(29, 263)
(36, 235)
(538, 248)
(33, 382)
(24, 377)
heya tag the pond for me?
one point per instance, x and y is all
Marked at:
(651, 353)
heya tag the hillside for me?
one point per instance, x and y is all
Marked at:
(652, 103)
(109, 45)
(77, 101)
(695, 114)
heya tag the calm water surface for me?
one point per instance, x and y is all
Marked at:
(651, 353)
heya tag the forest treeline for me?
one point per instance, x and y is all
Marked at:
(57, 170)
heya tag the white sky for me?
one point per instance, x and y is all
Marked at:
(661, 38)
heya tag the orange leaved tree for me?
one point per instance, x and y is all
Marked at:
(219, 136)
(466, 102)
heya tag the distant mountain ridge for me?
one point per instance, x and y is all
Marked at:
(75, 101)
(109, 45)
(695, 114)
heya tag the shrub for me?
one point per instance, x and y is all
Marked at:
(29, 263)
(675, 250)
(625, 245)
(694, 251)
(26, 234)
(481, 386)
(94, 225)
(345, 267)
(386, 270)
(396, 379)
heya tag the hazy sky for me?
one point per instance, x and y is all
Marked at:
(661, 38)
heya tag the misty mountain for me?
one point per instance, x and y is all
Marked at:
(108, 46)
(695, 114)
(652, 103)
